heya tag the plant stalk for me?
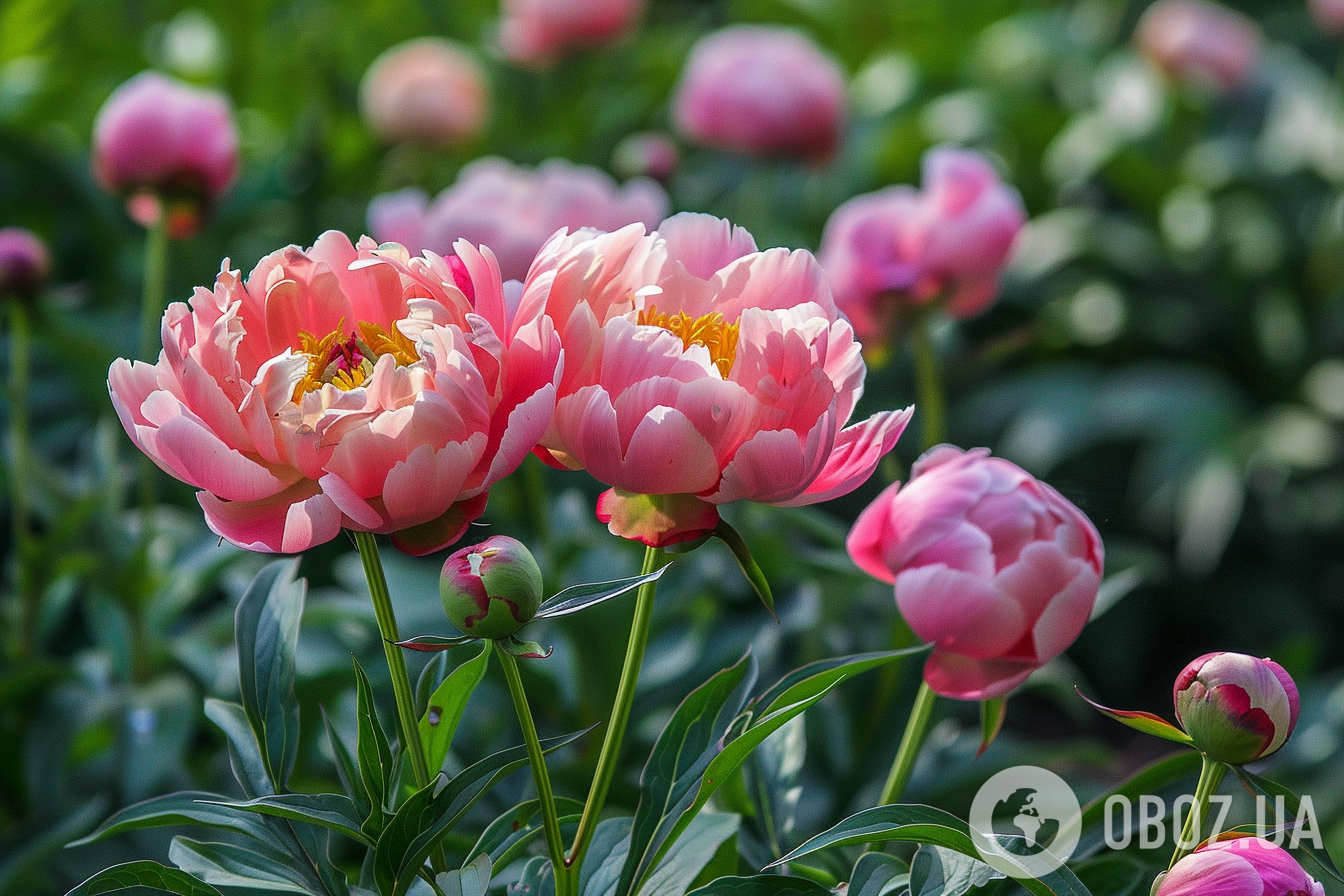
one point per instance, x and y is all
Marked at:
(151, 311)
(931, 400)
(1211, 773)
(20, 362)
(916, 727)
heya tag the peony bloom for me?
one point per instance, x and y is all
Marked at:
(24, 263)
(1200, 41)
(648, 154)
(996, 569)
(538, 32)
(1236, 708)
(1328, 15)
(491, 589)
(514, 210)
(1245, 866)
(900, 249)
(427, 90)
(167, 147)
(343, 386)
(699, 371)
(761, 90)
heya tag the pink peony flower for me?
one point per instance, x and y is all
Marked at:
(1328, 15)
(899, 249)
(167, 147)
(761, 90)
(1244, 866)
(538, 32)
(24, 263)
(427, 90)
(514, 210)
(1200, 41)
(996, 569)
(699, 371)
(1236, 708)
(343, 386)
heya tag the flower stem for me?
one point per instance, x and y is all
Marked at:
(1211, 773)
(550, 820)
(151, 311)
(620, 716)
(916, 727)
(928, 382)
(20, 352)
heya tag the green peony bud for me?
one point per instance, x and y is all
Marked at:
(492, 589)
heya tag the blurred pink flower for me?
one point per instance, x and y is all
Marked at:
(1243, 866)
(761, 90)
(343, 386)
(167, 147)
(898, 248)
(1328, 14)
(699, 371)
(996, 569)
(1200, 41)
(427, 90)
(648, 153)
(1236, 708)
(538, 32)
(514, 210)
(24, 263)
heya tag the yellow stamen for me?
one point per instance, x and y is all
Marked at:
(709, 330)
(347, 363)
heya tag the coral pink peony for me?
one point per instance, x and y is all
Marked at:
(538, 32)
(167, 147)
(514, 210)
(1200, 41)
(996, 569)
(1244, 866)
(24, 263)
(898, 249)
(343, 386)
(428, 90)
(1328, 15)
(1236, 708)
(699, 371)
(761, 90)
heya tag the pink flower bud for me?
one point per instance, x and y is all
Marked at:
(427, 90)
(1328, 15)
(1244, 866)
(1199, 41)
(168, 147)
(24, 263)
(647, 154)
(996, 569)
(761, 90)
(538, 32)
(898, 249)
(491, 589)
(1236, 708)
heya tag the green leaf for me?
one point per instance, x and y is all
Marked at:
(267, 631)
(348, 772)
(1148, 780)
(333, 811)
(1115, 874)
(446, 705)
(761, 885)
(537, 879)
(143, 879)
(607, 852)
(876, 873)
(1293, 814)
(1142, 721)
(472, 879)
(518, 827)
(249, 769)
(252, 866)
(579, 597)
(373, 753)
(173, 809)
(526, 650)
(750, 568)
(936, 871)
(773, 772)
(992, 714)
(691, 853)
(435, 643)
(821, 675)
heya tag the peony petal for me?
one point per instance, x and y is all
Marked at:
(959, 612)
(289, 523)
(962, 678)
(656, 520)
(441, 531)
(858, 450)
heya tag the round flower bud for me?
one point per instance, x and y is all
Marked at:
(427, 90)
(491, 589)
(1236, 708)
(24, 263)
(646, 154)
(1244, 866)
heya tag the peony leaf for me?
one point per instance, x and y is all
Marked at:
(1142, 721)
(992, 714)
(750, 568)
(579, 597)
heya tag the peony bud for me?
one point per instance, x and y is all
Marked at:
(428, 90)
(1244, 866)
(24, 263)
(1236, 708)
(647, 154)
(537, 33)
(1199, 41)
(492, 589)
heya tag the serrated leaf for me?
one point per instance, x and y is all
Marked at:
(253, 866)
(435, 643)
(580, 597)
(446, 705)
(992, 714)
(761, 885)
(142, 879)
(180, 808)
(876, 873)
(472, 879)
(267, 631)
(333, 811)
(1292, 804)
(750, 568)
(1142, 721)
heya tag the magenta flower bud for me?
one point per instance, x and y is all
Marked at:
(24, 263)
(1235, 707)
(761, 90)
(426, 90)
(898, 249)
(1328, 15)
(492, 589)
(647, 154)
(167, 147)
(1244, 866)
(996, 569)
(1199, 41)
(536, 33)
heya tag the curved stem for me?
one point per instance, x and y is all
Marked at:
(550, 820)
(620, 716)
(1211, 773)
(928, 382)
(915, 728)
(20, 352)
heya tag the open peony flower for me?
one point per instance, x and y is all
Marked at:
(699, 371)
(344, 386)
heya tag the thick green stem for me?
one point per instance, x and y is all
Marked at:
(928, 382)
(620, 716)
(1210, 776)
(916, 727)
(550, 820)
(20, 353)
(151, 311)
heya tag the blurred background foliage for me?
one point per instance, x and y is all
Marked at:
(1168, 351)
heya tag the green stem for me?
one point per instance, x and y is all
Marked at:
(928, 382)
(20, 353)
(1211, 773)
(151, 312)
(916, 727)
(620, 716)
(550, 820)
